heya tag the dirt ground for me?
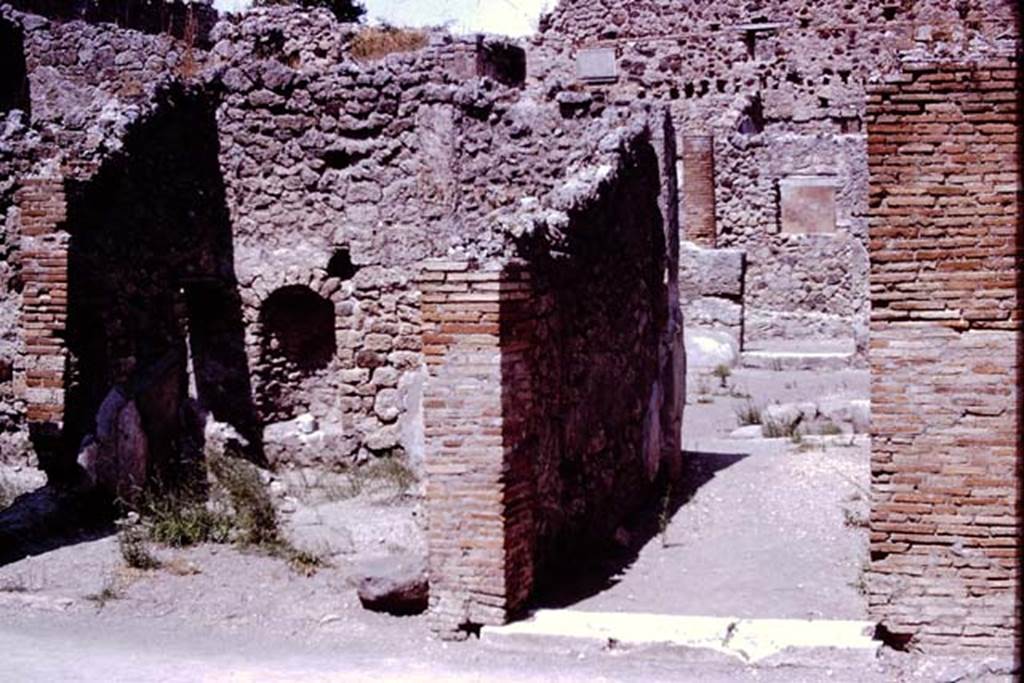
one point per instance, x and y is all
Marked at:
(769, 528)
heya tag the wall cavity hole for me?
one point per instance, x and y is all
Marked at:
(298, 328)
(13, 71)
(341, 266)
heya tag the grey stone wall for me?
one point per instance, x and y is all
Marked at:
(780, 86)
(288, 264)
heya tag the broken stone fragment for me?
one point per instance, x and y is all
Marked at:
(383, 439)
(709, 349)
(387, 405)
(396, 584)
(116, 459)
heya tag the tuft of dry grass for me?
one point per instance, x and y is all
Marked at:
(376, 42)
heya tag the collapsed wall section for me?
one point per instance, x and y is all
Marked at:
(943, 141)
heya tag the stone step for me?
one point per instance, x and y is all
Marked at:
(762, 642)
(796, 360)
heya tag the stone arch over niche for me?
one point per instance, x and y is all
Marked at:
(296, 340)
(14, 92)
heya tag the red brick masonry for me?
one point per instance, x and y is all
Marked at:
(699, 190)
(476, 406)
(44, 264)
(945, 327)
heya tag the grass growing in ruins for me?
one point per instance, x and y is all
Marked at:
(830, 429)
(132, 542)
(255, 518)
(184, 519)
(238, 509)
(723, 372)
(389, 473)
(748, 414)
(782, 429)
(375, 42)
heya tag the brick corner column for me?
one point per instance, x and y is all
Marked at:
(698, 198)
(477, 407)
(42, 208)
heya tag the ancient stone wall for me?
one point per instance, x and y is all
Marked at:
(478, 329)
(780, 87)
(335, 178)
(553, 402)
(604, 321)
(945, 226)
(191, 21)
(84, 86)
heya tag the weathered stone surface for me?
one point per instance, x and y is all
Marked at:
(710, 272)
(396, 584)
(709, 349)
(712, 312)
(116, 459)
(808, 205)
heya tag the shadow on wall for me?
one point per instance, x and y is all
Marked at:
(297, 340)
(602, 299)
(150, 274)
(191, 20)
(14, 85)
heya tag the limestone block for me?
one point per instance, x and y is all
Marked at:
(712, 311)
(709, 349)
(808, 204)
(396, 584)
(597, 65)
(710, 272)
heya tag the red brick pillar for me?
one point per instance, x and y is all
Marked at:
(699, 190)
(944, 354)
(477, 407)
(44, 269)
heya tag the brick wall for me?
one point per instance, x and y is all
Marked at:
(40, 371)
(477, 403)
(699, 190)
(945, 339)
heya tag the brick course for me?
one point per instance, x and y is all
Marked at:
(945, 339)
(699, 189)
(477, 403)
(40, 371)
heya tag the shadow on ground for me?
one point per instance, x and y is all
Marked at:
(50, 518)
(604, 567)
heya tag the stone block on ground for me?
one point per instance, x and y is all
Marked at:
(709, 349)
(710, 272)
(712, 311)
(396, 584)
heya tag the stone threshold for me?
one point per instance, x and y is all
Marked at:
(764, 642)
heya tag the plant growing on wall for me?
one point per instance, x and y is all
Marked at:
(344, 10)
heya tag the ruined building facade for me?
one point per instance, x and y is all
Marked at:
(480, 255)
(850, 182)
